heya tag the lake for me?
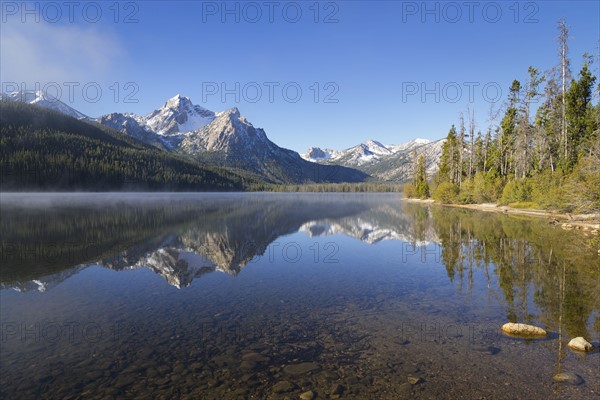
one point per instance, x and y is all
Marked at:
(357, 296)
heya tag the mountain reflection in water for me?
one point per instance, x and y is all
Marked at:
(534, 272)
(191, 237)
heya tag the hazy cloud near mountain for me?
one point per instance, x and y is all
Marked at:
(44, 52)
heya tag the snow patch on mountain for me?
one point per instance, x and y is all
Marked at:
(408, 145)
(43, 99)
(316, 154)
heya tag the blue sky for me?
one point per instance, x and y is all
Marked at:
(368, 64)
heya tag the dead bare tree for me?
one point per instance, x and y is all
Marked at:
(471, 116)
(461, 147)
(563, 37)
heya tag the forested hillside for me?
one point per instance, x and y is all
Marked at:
(41, 149)
(542, 151)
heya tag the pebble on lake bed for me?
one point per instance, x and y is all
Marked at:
(300, 369)
(523, 330)
(580, 344)
(282, 387)
(309, 395)
(414, 380)
(568, 378)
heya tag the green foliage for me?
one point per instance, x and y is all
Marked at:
(465, 193)
(580, 115)
(547, 190)
(409, 191)
(422, 190)
(581, 191)
(516, 191)
(448, 167)
(446, 192)
(486, 187)
(421, 187)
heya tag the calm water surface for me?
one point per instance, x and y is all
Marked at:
(256, 296)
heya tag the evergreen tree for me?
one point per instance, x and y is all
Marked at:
(508, 130)
(448, 166)
(580, 115)
(420, 179)
(479, 154)
(548, 127)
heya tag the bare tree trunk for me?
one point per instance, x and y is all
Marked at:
(488, 137)
(472, 134)
(461, 141)
(502, 158)
(485, 153)
(563, 36)
(452, 162)
(525, 162)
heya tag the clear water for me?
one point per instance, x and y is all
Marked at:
(213, 296)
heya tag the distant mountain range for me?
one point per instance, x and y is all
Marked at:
(391, 162)
(228, 139)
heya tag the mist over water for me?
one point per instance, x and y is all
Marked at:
(270, 295)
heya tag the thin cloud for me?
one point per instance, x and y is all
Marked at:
(45, 52)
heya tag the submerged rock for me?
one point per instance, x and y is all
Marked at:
(524, 330)
(282, 387)
(302, 368)
(247, 366)
(568, 378)
(405, 391)
(336, 389)
(255, 357)
(308, 395)
(580, 344)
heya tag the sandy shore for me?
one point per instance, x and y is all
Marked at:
(585, 222)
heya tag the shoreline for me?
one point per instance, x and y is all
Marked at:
(589, 223)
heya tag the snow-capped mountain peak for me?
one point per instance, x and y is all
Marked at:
(177, 101)
(45, 100)
(232, 112)
(178, 115)
(318, 154)
(228, 130)
(375, 147)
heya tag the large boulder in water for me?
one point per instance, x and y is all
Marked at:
(523, 330)
(580, 344)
